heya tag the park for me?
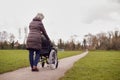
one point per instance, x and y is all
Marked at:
(82, 39)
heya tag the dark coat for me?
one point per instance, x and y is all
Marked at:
(36, 29)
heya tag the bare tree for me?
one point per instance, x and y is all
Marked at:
(3, 39)
(25, 32)
(78, 46)
(19, 31)
(60, 44)
(116, 40)
(88, 38)
(84, 43)
(4, 36)
(11, 37)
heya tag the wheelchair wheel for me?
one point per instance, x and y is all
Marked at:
(53, 59)
(43, 63)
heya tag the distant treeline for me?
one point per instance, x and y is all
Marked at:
(100, 41)
(104, 41)
(7, 41)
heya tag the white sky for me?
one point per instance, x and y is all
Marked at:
(63, 18)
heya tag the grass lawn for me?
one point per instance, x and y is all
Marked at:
(13, 59)
(97, 65)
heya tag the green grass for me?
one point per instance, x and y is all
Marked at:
(97, 65)
(14, 59)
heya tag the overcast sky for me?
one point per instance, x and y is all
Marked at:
(63, 18)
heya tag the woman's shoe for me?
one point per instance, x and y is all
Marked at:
(36, 69)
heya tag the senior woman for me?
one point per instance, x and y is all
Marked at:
(33, 43)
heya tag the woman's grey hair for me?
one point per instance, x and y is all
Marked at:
(39, 16)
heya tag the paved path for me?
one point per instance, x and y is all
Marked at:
(44, 73)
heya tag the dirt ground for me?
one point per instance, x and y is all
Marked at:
(44, 73)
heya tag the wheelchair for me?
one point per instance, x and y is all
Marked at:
(48, 54)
